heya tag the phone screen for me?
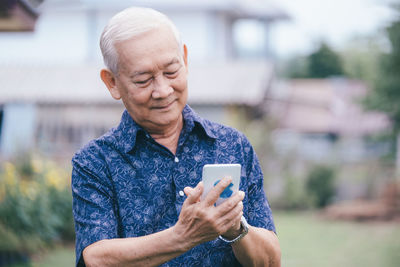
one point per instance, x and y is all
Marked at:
(213, 173)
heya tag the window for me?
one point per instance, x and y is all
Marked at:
(250, 38)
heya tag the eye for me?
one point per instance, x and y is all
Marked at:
(144, 82)
(171, 74)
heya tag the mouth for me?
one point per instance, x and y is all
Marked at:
(164, 106)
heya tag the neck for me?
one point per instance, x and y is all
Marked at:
(168, 136)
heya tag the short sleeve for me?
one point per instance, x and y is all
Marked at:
(93, 208)
(258, 210)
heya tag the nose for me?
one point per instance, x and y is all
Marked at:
(162, 88)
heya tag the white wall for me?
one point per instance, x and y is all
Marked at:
(203, 33)
(71, 34)
(58, 37)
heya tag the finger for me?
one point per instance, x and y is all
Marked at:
(231, 214)
(230, 203)
(216, 191)
(193, 194)
(231, 221)
(188, 190)
(235, 226)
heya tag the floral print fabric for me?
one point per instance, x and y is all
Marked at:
(124, 184)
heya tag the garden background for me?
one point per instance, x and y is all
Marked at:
(324, 121)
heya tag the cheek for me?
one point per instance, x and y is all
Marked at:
(180, 84)
(139, 98)
(131, 94)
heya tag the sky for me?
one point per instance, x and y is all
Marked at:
(335, 21)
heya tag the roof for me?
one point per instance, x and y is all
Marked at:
(243, 83)
(21, 15)
(324, 106)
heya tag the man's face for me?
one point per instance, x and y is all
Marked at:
(152, 79)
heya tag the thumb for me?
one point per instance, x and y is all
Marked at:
(193, 194)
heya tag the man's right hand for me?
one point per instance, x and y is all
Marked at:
(200, 221)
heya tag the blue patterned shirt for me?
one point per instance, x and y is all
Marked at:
(124, 184)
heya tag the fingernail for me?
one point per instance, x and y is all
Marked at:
(227, 180)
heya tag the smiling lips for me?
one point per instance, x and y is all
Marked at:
(164, 106)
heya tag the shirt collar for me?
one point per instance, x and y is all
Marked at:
(128, 130)
(191, 118)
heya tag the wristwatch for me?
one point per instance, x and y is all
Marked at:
(244, 226)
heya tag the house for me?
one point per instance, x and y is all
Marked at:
(323, 119)
(52, 99)
(58, 109)
(18, 15)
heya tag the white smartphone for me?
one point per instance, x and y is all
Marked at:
(213, 173)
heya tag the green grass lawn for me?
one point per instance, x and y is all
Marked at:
(307, 241)
(60, 257)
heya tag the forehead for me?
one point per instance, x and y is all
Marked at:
(155, 47)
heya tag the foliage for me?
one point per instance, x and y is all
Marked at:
(324, 63)
(288, 171)
(294, 196)
(386, 94)
(35, 205)
(361, 58)
(295, 67)
(320, 185)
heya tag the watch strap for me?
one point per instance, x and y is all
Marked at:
(245, 229)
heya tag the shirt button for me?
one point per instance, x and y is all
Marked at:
(181, 193)
(176, 159)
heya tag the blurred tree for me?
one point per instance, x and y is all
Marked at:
(324, 63)
(294, 67)
(360, 57)
(320, 185)
(386, 94)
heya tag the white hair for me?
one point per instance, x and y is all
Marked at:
(128, 24)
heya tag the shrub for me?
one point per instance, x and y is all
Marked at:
(293, 196)
(35, 205)
(320, 185)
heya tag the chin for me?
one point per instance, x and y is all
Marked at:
(167, 117)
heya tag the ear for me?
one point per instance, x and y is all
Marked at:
(109, 80)
(185, 55)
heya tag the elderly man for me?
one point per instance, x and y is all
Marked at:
(136, 190)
